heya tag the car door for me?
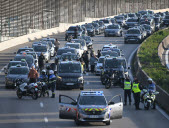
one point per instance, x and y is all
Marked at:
(116, 107)
(67, 107)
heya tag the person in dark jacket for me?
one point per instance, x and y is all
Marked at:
(52, 82)
(98, 53)
(57, 43)
(127, 90)
(85, 58)
(76, 33)
(41, 61)
(93, 59)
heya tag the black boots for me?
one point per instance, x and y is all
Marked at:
(53, 95)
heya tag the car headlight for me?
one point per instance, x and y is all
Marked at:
(80, 79)
(139, 37)
(59, 78)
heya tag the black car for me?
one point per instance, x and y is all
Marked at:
(143, 12)
(70, 75)
(14, 73)
(166, 20)
(90, 29)
(133, 35)
(117, 65)
(69, 57)
(132, 15)
(72, 31)
(113, 30)
(120, 20)
(64, 50)
(132, 22)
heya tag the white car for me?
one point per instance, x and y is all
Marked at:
(82, 42)
(77, 46)
(99, 64)
(109, 46)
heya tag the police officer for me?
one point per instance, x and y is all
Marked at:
(127, 91)
(136, 88)
(43, 77)
(52, 82)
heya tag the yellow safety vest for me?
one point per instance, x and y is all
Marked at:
(136, 88)
(82, 67)
(127, 85)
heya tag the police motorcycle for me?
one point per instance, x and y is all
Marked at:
(18, 82)
(149, 97)
(27, 90)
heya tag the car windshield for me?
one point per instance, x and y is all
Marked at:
(71, 29)
(89, 26)
(131, 15)
(61, 51)
(133, 32)
(112, 63)
(69, 68)
(147, 27)
(76, 46)
(92, 100)
(16, 63)
(113, 27)
(132, 20)
(18, 71)
(101, 60)
(38, 48)
(166, 17)
(119, 18)
(115, 54)
(157, 20)
(69, 57)
(20, 50)
(29, 59)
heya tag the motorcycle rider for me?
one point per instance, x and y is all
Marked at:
(43, 77)
(52, 82)
(127, 90)
(151, 86)
(136, 88)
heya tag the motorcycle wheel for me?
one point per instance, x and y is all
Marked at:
(39, 93)
(19, 94)
(108, 85)
(103, 81)
(146, 105)
(46, 94)
(34, 95)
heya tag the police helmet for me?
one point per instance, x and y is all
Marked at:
(149, 79)
(43, 72)
(51, 72)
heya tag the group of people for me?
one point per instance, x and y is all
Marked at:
(136, 88)
(49, 78)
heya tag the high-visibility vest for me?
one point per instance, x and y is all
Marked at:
(127, 85)
(136, 88)
(82, 67)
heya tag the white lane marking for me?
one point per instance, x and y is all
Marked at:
(131, 77)
(166, 58)
(88, 83)
(46, 119)
(41, 104)
(162, 112)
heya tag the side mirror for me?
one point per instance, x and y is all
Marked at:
(111, 103)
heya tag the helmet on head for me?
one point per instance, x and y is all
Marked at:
(43, 72)
(149, 79)
(51, 72)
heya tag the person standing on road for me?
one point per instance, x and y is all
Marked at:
(98, 53)
(93, 59)
(136, 88)
(33, 75)
(52, 82)
(76, 33)
(85, 58)
(127, 91)
(41, 62)
(57, 43)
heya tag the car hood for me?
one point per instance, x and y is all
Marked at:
(17, 76)
(93, 107)
(70, 75)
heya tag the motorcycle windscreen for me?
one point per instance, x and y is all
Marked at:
(116, 107)
(67, 107)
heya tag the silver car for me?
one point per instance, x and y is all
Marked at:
(90, 106)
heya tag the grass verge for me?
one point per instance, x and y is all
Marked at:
(150, 62)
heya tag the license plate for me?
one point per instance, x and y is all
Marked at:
(132, 39)
(69, 83)
(94, 116)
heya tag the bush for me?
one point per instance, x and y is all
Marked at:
(148, 55)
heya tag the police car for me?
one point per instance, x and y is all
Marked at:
(90, 106)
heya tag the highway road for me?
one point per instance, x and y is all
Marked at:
(43, 113)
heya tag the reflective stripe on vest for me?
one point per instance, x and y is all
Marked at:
(136, 88)
(127, 85)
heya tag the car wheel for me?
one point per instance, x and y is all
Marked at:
(108, 123)
(125, 42)
(105, 35)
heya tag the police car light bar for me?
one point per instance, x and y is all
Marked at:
(92, 92)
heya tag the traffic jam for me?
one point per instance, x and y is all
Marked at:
(40, 70)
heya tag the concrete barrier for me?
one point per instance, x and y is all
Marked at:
(44, 33)
(163, 97)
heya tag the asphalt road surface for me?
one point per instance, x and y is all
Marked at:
(43, 113)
